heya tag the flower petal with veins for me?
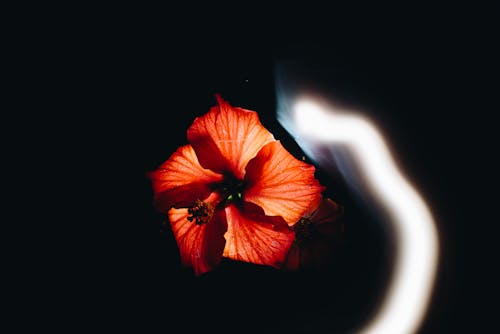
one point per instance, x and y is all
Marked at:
(281, 184)
(200, 246)
(227, 137)
(181, 180)
(328, 211)
(316, 242)
(256, 238)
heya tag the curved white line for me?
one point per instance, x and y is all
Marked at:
(416, 239)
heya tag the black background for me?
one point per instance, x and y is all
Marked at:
(127, 84)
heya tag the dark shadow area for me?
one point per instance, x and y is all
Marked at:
(140, 88)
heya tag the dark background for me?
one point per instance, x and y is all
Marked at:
(127, 84)
(419, 75)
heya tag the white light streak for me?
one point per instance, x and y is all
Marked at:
(415, 236)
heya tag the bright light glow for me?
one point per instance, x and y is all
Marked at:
(415, 236)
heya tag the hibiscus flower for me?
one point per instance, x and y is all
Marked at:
(317, 235)
(233, 191)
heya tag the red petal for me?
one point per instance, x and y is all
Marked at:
(320, 250)
(253, 237)
(328, 211)
(292, 261)
(200, 246)
(334, 230)
(181, 180)
(326, 219)
(227, 137)
(281, 184)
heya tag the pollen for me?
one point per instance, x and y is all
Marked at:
(201, 212)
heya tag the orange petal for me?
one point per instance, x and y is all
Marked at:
(281, 184)
(181, 180)
(253, 237)
(200, 246)
(227, 137)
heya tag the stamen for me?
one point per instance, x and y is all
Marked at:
(304, 229)
(201, 212)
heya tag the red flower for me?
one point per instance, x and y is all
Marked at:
(233, 191)
(317, 235)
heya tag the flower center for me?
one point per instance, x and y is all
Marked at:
(304, 230)
(231, 190)
(201, 212)
(233, 196)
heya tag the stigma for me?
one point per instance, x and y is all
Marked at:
(201, 212)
